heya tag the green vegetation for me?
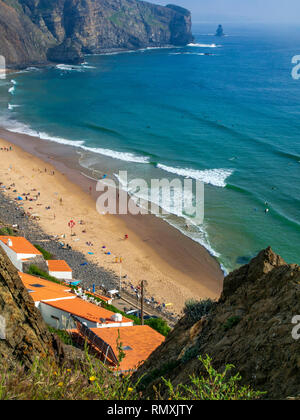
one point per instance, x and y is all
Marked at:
(195, 310)
(46, 254)
(7, 231)
(159, 325)
(212, 386)
(231, 322)
(36, 271)
(155, 374)
(62, 334)
(91, 380)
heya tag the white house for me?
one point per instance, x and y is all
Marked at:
(18, 250)
(42, 290)
(59, 269)
(57, 314)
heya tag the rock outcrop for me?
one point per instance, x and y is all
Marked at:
(249, 327)
(23, 333)
(34, 32)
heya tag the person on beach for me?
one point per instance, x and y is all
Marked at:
(126, 236)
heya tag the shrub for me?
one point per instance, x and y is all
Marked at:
(195, 310)
(158, 324)
(212, 386)
(7, 231)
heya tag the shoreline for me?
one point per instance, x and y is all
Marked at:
(175, 267)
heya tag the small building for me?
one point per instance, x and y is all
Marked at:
(44, 290)
(18, 250)
(138, 342)
(59, 269)
(91, 315)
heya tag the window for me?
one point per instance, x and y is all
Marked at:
(36, 285)
(126, 348)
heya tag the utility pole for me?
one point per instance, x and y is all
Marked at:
(142, 302)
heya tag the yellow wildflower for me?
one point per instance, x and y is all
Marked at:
(92, 378)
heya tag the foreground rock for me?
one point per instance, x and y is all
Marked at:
(250, 327)
(26, 335)
(34, 32)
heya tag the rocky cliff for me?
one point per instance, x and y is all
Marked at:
(23, 334)
(249, 327)
(38, 31)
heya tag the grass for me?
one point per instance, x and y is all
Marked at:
(36, 271)
(91, 380)
(47, 255)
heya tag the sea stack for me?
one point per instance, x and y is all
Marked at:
(220, 31)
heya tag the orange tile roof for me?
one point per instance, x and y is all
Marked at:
(104, 298)
(20, 245)
(58, 265)
(142, 339)
(86, 310)
(49, 289)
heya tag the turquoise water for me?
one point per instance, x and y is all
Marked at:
(225, 111)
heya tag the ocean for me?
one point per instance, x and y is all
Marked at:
(223, 110)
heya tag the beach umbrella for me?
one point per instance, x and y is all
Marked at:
(71, 225)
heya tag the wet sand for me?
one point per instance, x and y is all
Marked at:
(175, 267)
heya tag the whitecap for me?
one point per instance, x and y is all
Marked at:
(215, 177)
(204, 45)
(125, 156)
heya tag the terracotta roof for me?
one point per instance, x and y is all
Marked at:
(86, 310)
(104, 298)
(58, 265)
(20, 245)
(44, 289)
(141, 339)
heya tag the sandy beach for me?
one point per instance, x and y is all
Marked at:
(175, 267)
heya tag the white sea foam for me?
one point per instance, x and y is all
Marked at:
(12, 90)
(125, 156)
(12, 107)
(188, 53)
(204, 45)
(216, 177)
(20, 128)
(197, 233)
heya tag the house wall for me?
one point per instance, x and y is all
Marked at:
(15, 258)
(62, 275)
(12, 256)
(57, 318)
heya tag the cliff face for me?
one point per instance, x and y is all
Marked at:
(26, 336)
(34, 31)
(250, 327)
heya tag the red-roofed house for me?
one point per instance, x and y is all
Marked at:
(59, 269)
(91, 315)
(42, 290)
(18, 250)
(138, 342)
